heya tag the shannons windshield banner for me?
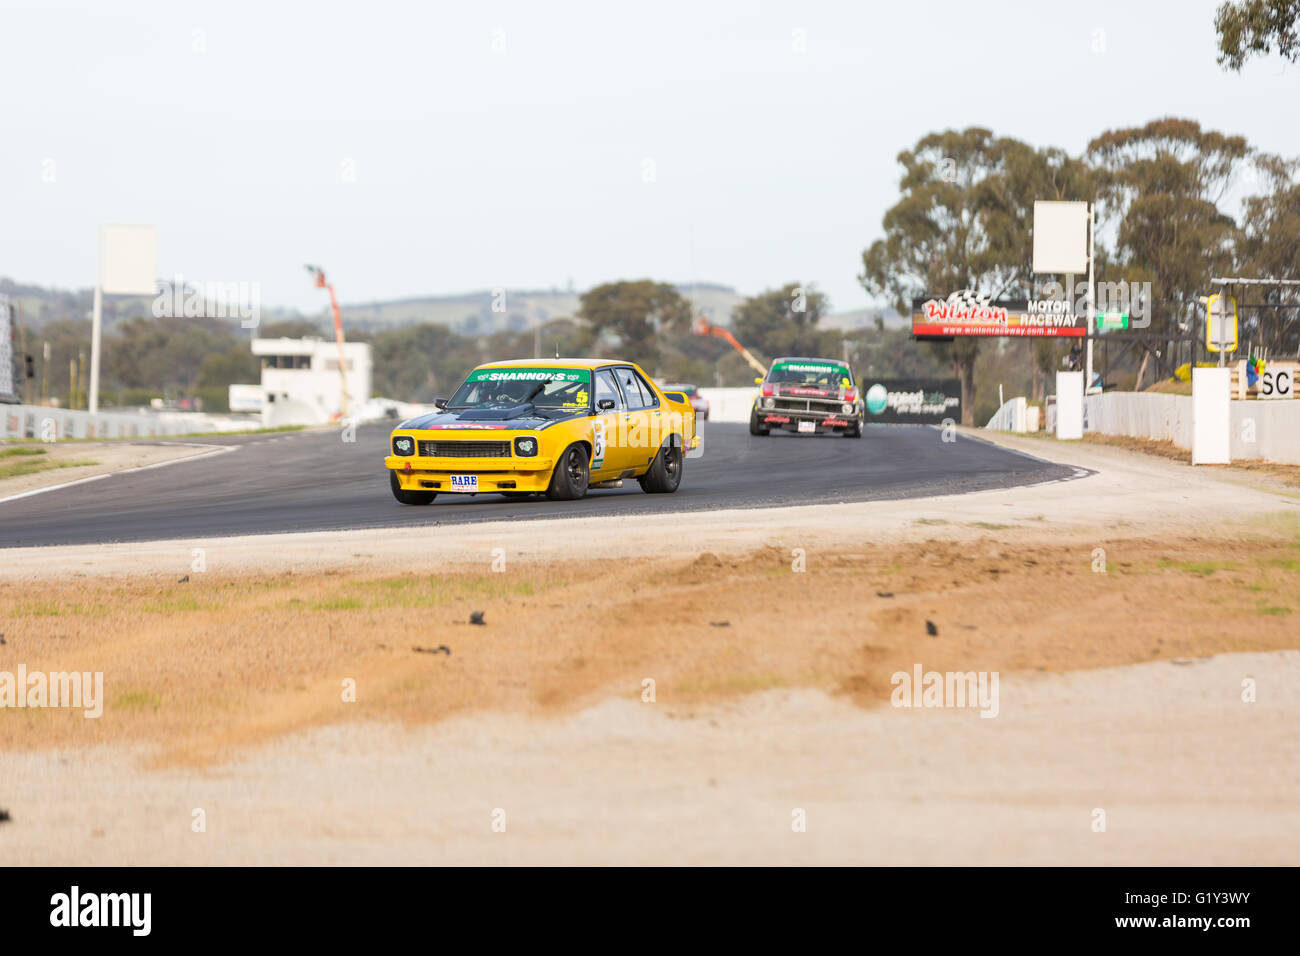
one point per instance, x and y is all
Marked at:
(821, 368)
(530, 375)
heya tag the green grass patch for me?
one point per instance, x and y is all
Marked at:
(338, 604)
(988, 525)
(52, 609)
(29, 464)
(170, 607)
(19, 451)
(1272, 610)
(392, 593)
(137, 700)
(1202, 568)
(736, 684)
(929, 521)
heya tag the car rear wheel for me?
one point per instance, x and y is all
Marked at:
(665, 473)
(571, 476)
(409, 497)
(753, 424)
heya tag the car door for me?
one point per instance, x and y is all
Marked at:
(609, 456)
(640, 423)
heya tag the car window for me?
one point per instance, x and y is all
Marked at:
(605, 388)
(638, 390)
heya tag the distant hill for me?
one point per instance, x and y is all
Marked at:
(484, 312)
(470, 313)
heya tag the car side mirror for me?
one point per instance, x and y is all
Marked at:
(758, 381)
(605, 404)
(440, 403)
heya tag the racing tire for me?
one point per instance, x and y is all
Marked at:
(665, 472)
(409, 497)
(854, 432)
(572, 474)
(753, 424)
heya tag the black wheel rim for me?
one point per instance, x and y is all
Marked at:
(577, 471)
(672, 458)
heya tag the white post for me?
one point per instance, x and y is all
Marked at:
(1211, 416)
(1092, 297)
(96, 323)
(1069, 406)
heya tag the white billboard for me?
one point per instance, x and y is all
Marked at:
(246, 398)
(1061, 237)
(128, 259)
(8, 367)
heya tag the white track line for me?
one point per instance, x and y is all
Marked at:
(220, 450)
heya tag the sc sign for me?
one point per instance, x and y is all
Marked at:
(1277, 383)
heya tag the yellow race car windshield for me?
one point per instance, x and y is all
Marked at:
(567, 388)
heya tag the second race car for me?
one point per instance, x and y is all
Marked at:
(808, 395)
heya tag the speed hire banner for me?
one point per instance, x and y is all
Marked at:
(916, 401)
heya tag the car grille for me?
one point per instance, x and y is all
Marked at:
(464, 449)
(824, 405)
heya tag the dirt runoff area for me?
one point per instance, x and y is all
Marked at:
(1134, 691)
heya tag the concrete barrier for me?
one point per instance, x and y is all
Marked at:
(729, 404)
(57, 424)
(1013, 416)
(1258, 429)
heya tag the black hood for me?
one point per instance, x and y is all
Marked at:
(518, 418)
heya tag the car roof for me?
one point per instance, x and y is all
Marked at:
(592, 363)
(808, 358)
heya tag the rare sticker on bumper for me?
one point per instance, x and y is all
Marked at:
(464, 483)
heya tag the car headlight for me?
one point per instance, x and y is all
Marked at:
(769, 403)
(848, 409)
(403, 445)
(526, 447)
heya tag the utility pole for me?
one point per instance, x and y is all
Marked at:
(22, 349)
(1092, 294)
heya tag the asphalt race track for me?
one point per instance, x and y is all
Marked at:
(315, 481)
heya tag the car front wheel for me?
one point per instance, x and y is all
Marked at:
(409, 497)
(571, 476)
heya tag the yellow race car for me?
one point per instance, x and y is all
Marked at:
(545, 426)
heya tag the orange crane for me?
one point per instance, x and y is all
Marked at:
(319, 275)
(701, 326)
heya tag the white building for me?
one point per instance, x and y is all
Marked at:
(301, 384)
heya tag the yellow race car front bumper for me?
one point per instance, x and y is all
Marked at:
(415, 473)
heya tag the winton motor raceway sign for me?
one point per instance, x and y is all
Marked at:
(969, 313)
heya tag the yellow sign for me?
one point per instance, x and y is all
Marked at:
(1221, 323)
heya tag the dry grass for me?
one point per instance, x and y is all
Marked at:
(202, 668)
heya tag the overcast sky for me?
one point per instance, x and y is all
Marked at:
(431, 148)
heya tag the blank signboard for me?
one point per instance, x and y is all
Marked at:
(128, 257)
(1061, 237)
